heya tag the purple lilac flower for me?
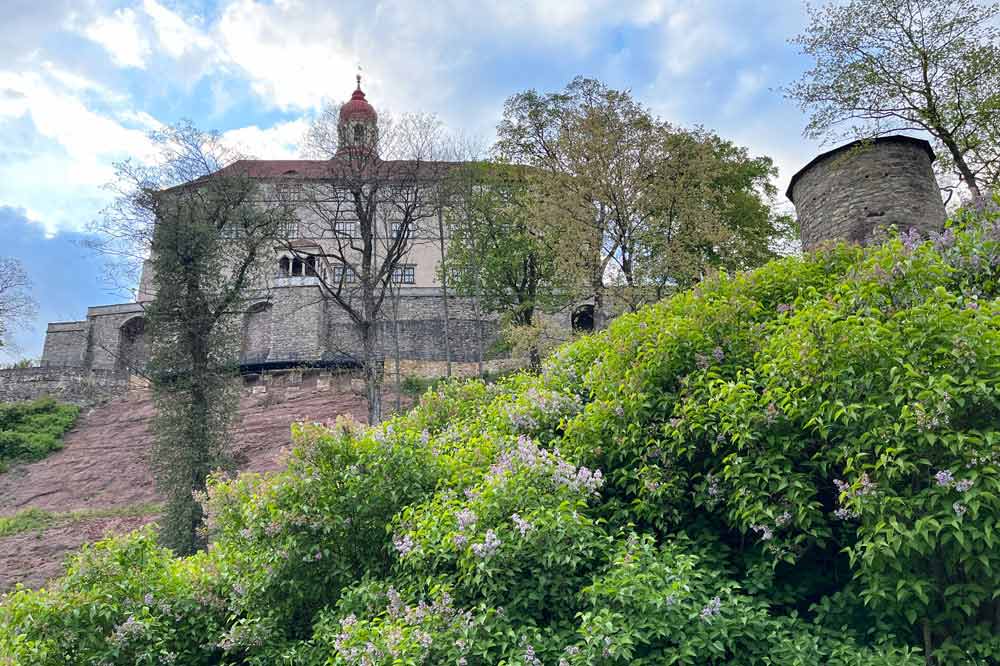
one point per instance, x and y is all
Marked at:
(783, 307)
(944, 240)
(522, 525)
(460, 540)
(466, 518)
(963, 485)
(718, 354)
(711, 609)
(488, 546)
(404, 545)
(911, 239)
(944, 478)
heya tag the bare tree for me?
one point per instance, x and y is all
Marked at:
(17, 307)
(366, 204)
(886, 66)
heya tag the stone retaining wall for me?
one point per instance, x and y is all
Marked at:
(67, 384)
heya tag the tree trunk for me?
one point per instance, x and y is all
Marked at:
(444, 291)
(372, 367)
(962, 165)
(395, 344)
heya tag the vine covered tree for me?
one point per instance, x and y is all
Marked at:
(886, 66)
(208, 229)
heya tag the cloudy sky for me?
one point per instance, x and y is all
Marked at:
(83, 81)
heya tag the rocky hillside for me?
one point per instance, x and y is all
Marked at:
(99, 481)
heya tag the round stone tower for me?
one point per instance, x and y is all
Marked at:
(848, 192)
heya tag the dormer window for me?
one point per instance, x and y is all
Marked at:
(359, 134)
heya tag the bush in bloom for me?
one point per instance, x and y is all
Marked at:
(796, 465)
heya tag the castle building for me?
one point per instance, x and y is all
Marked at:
(296, 322)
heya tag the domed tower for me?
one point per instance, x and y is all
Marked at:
(850, 191)
(357, 129)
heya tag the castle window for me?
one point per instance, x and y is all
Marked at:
(396, 228)
(405, 274)
(343, 229)
(296, 267)
(345, 273)
(311, 266)
(284, 267)
(287, 229)
(359, 134)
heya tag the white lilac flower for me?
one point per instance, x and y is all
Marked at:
(963, 485)
(959, 509)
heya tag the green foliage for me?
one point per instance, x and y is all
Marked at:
(122, 601)
(32, 430)
(798, 465)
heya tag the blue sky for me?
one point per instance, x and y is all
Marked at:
(83, 81)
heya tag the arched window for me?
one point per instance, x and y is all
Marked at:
(283, 267)
(132, 354)
(359, 134)
(311, 266)
(296, 267)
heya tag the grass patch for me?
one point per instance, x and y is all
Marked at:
(39, 519)
(32, 430)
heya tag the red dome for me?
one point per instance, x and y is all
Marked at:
(358, 107)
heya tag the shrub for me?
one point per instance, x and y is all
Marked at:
(797, 465)
(32, 430)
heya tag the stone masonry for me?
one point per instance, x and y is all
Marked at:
(848, 192)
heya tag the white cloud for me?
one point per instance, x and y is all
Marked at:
(122, 37)
(275, 143)
(176, 36)
(73, 156)
(291, 53)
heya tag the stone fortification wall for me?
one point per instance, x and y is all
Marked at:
(848, 192)
(66, 384)
(66, 343)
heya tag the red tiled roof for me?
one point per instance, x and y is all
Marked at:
(336, 168)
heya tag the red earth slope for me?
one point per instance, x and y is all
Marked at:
(101, 467)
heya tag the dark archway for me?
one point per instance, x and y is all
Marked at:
(583, 319)
(132, 349)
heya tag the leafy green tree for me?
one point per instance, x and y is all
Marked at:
(208, 230)
(638, 206)
(895, 65)
(498, 252)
